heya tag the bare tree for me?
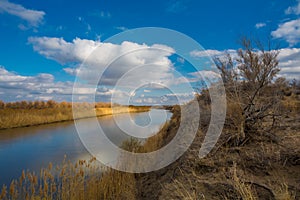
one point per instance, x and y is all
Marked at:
(248, 80)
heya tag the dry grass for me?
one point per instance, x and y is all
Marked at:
(217, 176)
(244, 189)
(68, 181)
(186, 189)
(12, 118)
(21, 114)
(283, 193)
(79, 181)
(166, 133)
(292, 104)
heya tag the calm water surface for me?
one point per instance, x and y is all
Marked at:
(34, 147)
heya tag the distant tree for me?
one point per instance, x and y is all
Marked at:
(43, 104)
(65, 104)
(24, 105)
(9, 105)
(295, 86)
(51, 104)
(2, 104)
(38, 104)
(30, 104)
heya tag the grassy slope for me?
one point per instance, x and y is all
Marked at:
(265, 168)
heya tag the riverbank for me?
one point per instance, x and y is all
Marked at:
(264, 167)
(18, 116)
(260, 169)
(256, 157)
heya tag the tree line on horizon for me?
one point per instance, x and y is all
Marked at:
(51, 104)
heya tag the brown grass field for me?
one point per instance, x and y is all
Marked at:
(21, 114)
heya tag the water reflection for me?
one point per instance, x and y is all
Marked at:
(34, 147)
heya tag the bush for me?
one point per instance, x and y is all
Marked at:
(252, 94)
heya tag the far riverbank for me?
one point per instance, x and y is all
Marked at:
(15, 117)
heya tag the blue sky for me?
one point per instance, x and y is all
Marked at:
(34, 67)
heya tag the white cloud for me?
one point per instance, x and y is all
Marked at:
(212, 53)
(289, 61)
(71, 71)
(17, 86)
(33, 17)
(178, 98)
(166, 99)
(205, 53)
(289, 31)
(207, 75)
(42, 87)
(260, 25)
(61, 51)
(293, 9)
(132, 64)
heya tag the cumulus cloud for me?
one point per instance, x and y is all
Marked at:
(33, 17)
(211, 52)
(289, 61)
(61, 51)
(289, 31)
(43, 86)
(178, 98)
(206, 75)
(123, 67)
(15, 86)
(166, 99)
(129, 63)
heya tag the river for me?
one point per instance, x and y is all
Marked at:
(32, 148)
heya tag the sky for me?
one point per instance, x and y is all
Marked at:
(44, 43)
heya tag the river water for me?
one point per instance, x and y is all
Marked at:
(32, 148)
